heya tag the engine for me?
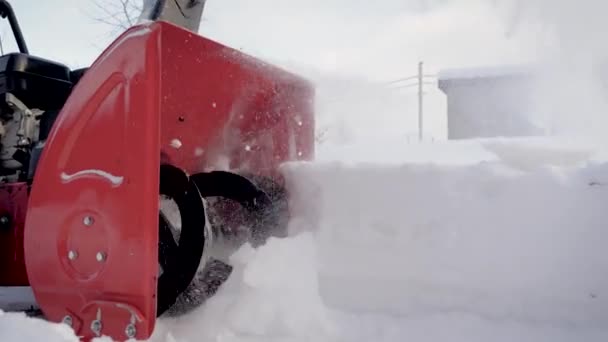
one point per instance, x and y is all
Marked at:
(19, 135)
(32, 92)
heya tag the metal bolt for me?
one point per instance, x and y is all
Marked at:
(130, 331)
(72, 255)
(96, 327)
(67, 320)
(88, 221)
(101, 256)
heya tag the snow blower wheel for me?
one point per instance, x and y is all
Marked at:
(232, 189)
(179, 258)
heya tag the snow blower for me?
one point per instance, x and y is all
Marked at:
(89, 155)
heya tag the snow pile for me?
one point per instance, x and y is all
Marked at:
(273, 294)
(398, 151)
(518, 152)
(425, 252)
(18, 327)
(507, 248)
(534, 153)
(504, 246)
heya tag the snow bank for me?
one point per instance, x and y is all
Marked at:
(507, 246)
(519, 152)
(272, 295)
(485, 240)
(18, 327)
(399, 151)
(488, 251)
(530, 154)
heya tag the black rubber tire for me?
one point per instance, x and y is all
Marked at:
(181, 262)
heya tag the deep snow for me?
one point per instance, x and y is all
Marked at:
(488, 249)
(489, 240)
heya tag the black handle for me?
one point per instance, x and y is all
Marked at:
(7, 11)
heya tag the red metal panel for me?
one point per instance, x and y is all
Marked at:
(13, 205)
(96, 186)
(95, 194)
(223, 109)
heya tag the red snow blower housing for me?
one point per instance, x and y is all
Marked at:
(86, 156)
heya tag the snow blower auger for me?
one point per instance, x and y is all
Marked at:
(88, 156)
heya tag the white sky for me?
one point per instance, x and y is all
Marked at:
(364, 40)
(375, 39)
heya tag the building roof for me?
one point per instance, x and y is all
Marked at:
(448, 77)
(485, 72)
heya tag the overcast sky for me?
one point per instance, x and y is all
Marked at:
(375, 39)
(365, 40)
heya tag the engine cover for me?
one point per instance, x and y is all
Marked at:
(37, 82)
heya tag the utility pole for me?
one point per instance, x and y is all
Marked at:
(420, 78)
(420, 99)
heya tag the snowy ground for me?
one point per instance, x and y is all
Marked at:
(506, 244)
(486, 240)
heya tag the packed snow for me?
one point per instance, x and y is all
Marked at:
(18, 327)
(503, 248)
(494, 250)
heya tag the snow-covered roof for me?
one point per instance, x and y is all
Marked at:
(484, 72)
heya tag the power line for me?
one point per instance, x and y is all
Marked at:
(412, 77)
(413, 85)
(402, 79)
(387, 85)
